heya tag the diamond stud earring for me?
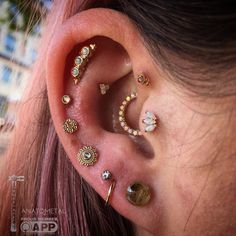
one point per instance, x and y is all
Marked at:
(87, 156)
(81, 61)
(106, 175)
(122, 118)
(150, 121)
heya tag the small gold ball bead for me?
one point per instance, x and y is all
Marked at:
(66, 99)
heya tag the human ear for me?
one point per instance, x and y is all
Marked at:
(119, 53)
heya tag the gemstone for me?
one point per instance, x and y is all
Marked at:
(75, 72)
(150, 128)
(85, 52)
(65, 99)
(135, 132)
(150, 115)
(121, 113)
(106, 175)
(149, 121)
(128, 98)
(78, 60)
(138, 194)
(122, 108)
(87, 156)
(70, 126)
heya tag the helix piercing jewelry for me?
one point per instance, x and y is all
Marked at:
(106, 175)
(142, 79)
(104, 88)
(87, 156)
(110, 191)
(122, 118)
(66, 99)
(81, 61)
(138, 194)
(150, 121)
(70, 126)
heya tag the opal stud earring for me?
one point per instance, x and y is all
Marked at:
(122, 118)
(138, 194)
(87, 156)
(142, 79)
(106, 175)
(81, 61)
(66, 99)
(70, 126)
(150, 121)
(110, 191)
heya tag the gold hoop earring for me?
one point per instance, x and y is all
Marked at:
(110, 191)
(122, 118)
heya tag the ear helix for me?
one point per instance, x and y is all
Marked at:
(137, 193)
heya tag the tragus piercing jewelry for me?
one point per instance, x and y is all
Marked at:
(106, 175)
(81, 61)
(66, 99)
(150, 121)
(70, 126)
(110, 191)
(142, 79)
(104, 88)
(138, 194)
(122, 119)
(87, 156)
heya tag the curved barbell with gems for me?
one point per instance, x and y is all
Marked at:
(122, 118)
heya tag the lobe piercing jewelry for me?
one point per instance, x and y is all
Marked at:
(142, 79)
(104, 88)
(150, 121)
(81, 61)
(66, 99)
(70, 126)
(110, 191)
(122, 118)
(138, 194)
(87, 156)
(106, 175)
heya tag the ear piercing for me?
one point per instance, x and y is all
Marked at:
(70, 126)
(81, 62)
(106, 175)
(122, 118)
(150, 121)
(110, 191)
(138, 194)
(142, 79)
(104, 88)
(66, 99)
(87, 156)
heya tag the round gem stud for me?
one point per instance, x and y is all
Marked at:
(78, 60)
(106, 175)
(75, 72)
(66, 99)
(87, 156)
(85, 52)
(138, 194)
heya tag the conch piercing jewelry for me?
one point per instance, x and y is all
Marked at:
(122, 118)
(66, 99)
(110, 191)
(150, 121)
(106, 175)
(138, 194)
(104, 88)
(142, 79)
(81, 62)
(70, 126)
(87, 156)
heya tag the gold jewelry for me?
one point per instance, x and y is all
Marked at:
(110, 191)
(138, 194)
(104, 88)
(66, 99)
(150, 121)
(87, 156)
(142, 79)
(70, 126)
(81, 61)
(122, 119)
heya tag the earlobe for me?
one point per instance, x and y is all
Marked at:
(74, 90)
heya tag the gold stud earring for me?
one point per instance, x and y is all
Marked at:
(87, 156)
(122, 118)
(110, 191)
(138, 194)
(104, 88)
(70, 126)
(81, 61)
(66, 99)
(142, 79)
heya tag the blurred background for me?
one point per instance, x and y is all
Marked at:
(21, 25)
